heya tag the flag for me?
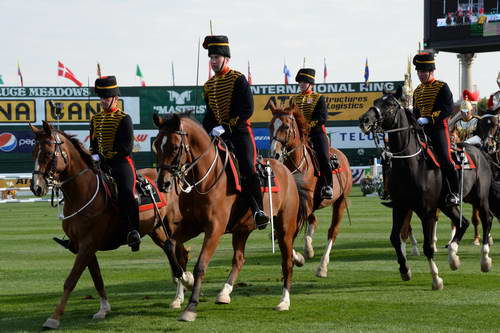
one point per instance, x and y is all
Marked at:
(209, 70)
(99, 73)
(1, 80)
(325, 72)
(367, 71)
(287, 73)
(20, 74)
(138, 73)
(249, 76)
(67, 73)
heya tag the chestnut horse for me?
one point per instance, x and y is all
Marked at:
(416, 186)
(289, 145)
(210, 204)
(90, 219)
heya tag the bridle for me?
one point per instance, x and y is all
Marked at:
(394, 127)
(286, 152)
(50, 175)
(179, 170)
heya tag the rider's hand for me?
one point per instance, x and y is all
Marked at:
(423, 121)
(217, 131)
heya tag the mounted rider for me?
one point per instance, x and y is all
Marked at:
(313, 107)
(464, 126)
(432, 105)
(229, 107)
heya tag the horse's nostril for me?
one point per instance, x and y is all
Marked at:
(276, 156)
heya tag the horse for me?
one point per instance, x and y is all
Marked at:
(211, 204)
(90, 218)
(288, 130)
(415, 185)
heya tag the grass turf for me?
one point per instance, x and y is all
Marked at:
(362, 293)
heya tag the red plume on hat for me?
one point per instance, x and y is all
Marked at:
(471, 96)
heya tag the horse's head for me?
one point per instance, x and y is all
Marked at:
(287, 129)
(383, 114)
(51, 158)
(171, 149)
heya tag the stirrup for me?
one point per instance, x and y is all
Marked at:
(452, 200)
(261, 219)
(63, 242)
(327, 192)
(134, 240)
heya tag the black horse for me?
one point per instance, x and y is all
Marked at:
(416, 185)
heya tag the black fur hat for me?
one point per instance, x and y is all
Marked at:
(305, 75)
(106, 86)
(217, 45)
(424, 62)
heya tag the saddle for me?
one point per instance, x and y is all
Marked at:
(333, 160)
(144, 186)
(456, 155)
(234, 175)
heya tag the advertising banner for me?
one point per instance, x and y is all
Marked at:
(16, 141)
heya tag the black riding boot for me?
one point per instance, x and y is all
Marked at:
(133, 236)
(452, 198)
(327, 189)
(66, 243)
(255, 194)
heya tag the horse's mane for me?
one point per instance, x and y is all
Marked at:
(84, 153)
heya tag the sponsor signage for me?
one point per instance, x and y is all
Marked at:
(350, 138)
(141, 139)
(16, 142)
(17, 111)
(261, 136)
(71, 111)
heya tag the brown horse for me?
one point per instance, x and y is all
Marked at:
(210, 204)
(289, 145)
(90, 220)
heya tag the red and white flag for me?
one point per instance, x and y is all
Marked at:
(67, 73)
(249, 76)
(325, 71)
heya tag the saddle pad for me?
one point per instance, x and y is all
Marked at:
(468, 164)
(232, 170)
(264, 182)
(145, 201)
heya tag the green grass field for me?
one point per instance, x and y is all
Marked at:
(363, 292)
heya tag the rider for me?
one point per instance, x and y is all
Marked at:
(229, 107)
(313, 107)
(432, 105)
(464, 129)
(111, 141)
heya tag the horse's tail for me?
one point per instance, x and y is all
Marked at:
(303, 193)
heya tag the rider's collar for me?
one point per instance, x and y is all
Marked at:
(224, 71)
(307, 92)
(111, 110)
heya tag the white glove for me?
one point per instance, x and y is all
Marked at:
(217, 131)
(95, 157)
(423, 121)
(475, 140)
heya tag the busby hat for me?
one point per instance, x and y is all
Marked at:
(305, 75)
(106, 86)
(424, 61)
(217, 45)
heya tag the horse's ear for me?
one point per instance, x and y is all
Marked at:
(272, 106)
(398, 93)
(176, 121)
(34, 129)
(46, 127)
(158, 120)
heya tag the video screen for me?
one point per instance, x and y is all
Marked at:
(464, 19)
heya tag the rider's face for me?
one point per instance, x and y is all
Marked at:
(304, 86)
(217, 62)
(425, 76)
(108, 102)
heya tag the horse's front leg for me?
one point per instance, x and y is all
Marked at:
(308, 239)
(428, 226)
(398, 219)
(95, 272)
(81, 261)
(239, 242)
(286, 247)
(210, 243)
(461, 226)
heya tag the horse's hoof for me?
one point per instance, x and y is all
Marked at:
(176, 303)
(223, 299)
(321, 272)
(437, 284)
(100, 315)
(51, 324)
(283, 306)
(299, 260)
(188, 280)
(454, 262)
(187, 316)
(406, 276)
(476, 242)
(485, 265)
(415, 252)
